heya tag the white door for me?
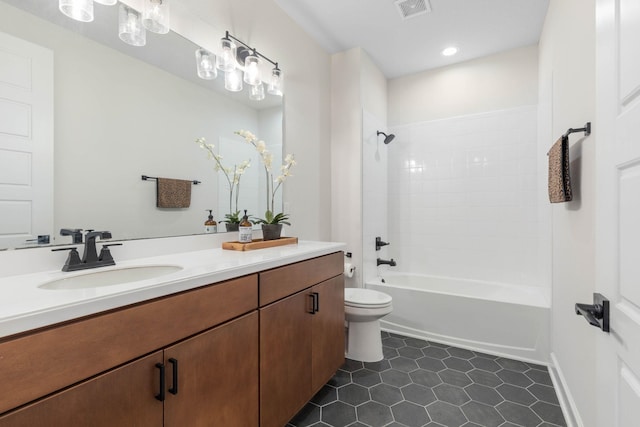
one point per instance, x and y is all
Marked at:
(26, 141)
(617, 129)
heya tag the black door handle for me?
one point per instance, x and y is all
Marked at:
(160, 396)
(597, 314)
(174, 365)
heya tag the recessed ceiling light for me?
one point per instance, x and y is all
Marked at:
(450, 51)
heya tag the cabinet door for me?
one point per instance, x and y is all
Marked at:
(122, 397)
(217, 377)
(328, 331)
(285, 358)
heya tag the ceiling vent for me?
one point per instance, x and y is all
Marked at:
(411, 8)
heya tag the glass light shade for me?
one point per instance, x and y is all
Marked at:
(205, 61)
(106, 2)
(155, 16)
(80, 10)
(226, 60)
(252, 70)
(130, 27)
(233, 80)
(257, 92)
(275, 82)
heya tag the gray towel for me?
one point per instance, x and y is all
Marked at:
(559, 182)
(173, 193)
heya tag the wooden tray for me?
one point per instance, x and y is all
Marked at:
(259, 244)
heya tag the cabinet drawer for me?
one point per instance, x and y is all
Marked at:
(283, 281)
(45, 361)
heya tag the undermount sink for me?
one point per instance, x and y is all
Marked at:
(117, 276)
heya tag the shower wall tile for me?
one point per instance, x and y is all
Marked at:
(463, 197)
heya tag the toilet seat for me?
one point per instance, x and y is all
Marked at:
(366, 298)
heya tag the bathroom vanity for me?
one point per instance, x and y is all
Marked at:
(245, 340)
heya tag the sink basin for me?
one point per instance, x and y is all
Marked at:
(118, 276)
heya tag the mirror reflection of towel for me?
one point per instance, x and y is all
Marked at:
(173, 193)
(559, 177)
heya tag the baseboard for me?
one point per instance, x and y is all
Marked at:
(568, 405)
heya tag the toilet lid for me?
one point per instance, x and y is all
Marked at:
(360, 297)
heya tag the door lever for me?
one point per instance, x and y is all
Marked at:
(597, 314)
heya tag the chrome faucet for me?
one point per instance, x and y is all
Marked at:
(390, 263)
(90, 257)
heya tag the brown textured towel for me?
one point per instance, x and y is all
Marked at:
(559, 177)
(173, 193)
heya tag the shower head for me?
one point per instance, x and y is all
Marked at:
(387, 138)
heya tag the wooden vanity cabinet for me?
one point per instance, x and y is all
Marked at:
(301, 334)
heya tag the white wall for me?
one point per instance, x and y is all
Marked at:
(567, 83)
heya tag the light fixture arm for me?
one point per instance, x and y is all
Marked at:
(252, 49)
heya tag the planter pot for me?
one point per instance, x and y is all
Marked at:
(271, 231)
(232, 227)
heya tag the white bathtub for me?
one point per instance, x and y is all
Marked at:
(505, 320)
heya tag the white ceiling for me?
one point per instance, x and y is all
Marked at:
(405, 46)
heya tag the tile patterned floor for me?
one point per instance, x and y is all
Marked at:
(421, 383)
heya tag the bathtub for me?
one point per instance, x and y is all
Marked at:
(505, 320)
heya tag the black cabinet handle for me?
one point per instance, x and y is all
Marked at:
(160, 396)
(316, 302)
(174, 364)
(313, 303)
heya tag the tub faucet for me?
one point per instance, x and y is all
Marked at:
(390, 263)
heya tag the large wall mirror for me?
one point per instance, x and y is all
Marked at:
(121, 112)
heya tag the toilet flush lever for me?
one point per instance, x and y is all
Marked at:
(597, 314)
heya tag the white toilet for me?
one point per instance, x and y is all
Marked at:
(363, 309)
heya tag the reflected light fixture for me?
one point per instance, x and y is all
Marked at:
(106, 2)
(155, 16)
(233, 80)
(130, 29)
(257, 92)
(450, 51)
(206, 64)
(80, 10)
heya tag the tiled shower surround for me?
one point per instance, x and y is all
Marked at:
(463, 198)
(420, 383)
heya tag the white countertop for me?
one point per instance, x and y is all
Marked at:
(24, 306)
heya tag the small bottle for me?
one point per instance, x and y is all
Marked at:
(210, 225)
(244, 234)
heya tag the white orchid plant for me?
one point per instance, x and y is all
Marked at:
(273, 183)
(232, 174)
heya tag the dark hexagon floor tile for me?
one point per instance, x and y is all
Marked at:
(353, 394)
(366, 377)
(486, 356)
(549, 413)
(544, 393)
(386, 394)
(425, 378)
(380, 366)
(452, 377)
(395, 378)
(307, 416)
(418, 394)
(483, 394)
(437, 344)
(484, 378)
(461, 353)
(482, 414)
(512, 365)
(457, 364)
(451, 394)
(416, 342)
(514, 378)
(374, 414)
(431, 364)
(321, 424)
(539, 376)
(410, 352)
(327, 394)
(435, 352)
(338, 414)
(384, 334)
(485, 364)
(518, 414)
(403, 364)
(446, 414)
(393, 342)
(389, 352)
(410, 414)
(516, 394)
(538, 367)
(351, 365)
(340, 378)
(356, 424)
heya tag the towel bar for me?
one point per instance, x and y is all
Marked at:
(586, 129)
(146, 178)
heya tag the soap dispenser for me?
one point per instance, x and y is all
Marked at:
(210, 225)
(244, 234)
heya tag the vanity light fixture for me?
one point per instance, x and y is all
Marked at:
(450, 51)
(252, 69)
(80, 10)
(275, 82)
(130, 28)
(206, 64)
(155, 16)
